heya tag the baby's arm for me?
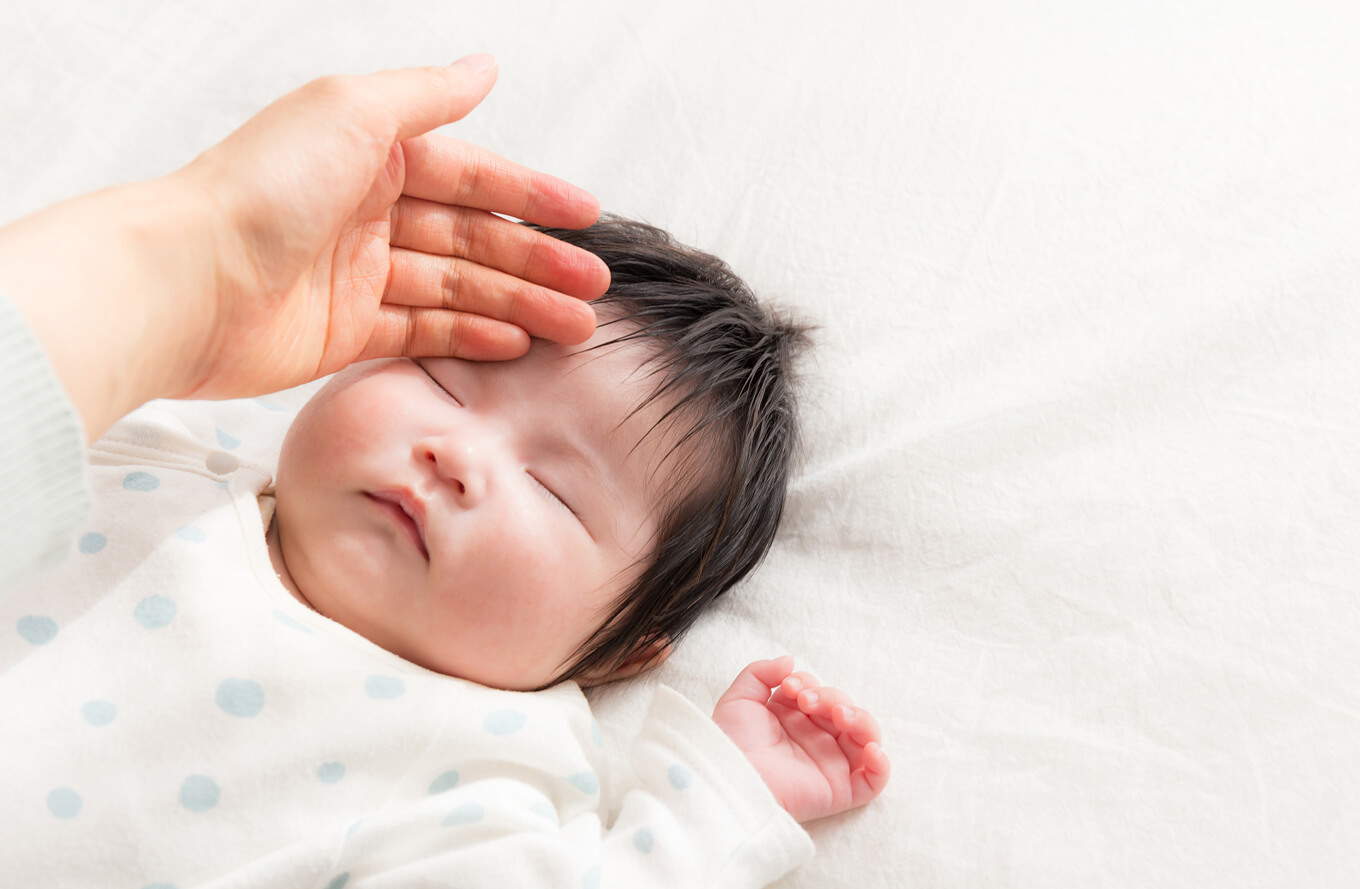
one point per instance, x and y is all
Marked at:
(818, 753)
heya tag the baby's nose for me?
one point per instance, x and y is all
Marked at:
(460, 464)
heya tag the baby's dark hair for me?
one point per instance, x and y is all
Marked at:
(724, 365)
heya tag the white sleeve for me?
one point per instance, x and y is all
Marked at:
(44, 494)
(702, 816)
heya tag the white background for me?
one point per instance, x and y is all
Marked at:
(1079, 510)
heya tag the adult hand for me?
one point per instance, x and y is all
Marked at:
(349, 235)
(331, 227)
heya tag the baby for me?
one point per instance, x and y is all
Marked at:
(369, 675)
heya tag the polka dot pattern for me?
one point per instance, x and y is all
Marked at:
(155, 612)
(243, 698)
(330, 772)
(92, 542)
(64, 803)
(643, 840)
(98, 713)
(586, 782)
(504, 722)
(446, 781)
(467, 813)
(140, 481)
(199, 793)
(679, 776)
(36, 629)
(191, 533)
(384, 688)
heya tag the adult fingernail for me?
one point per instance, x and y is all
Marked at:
(476, 64)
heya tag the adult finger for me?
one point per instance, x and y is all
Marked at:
(414, 332)
(421, 99)
(451, 172)
(450, 283)
(489, 240)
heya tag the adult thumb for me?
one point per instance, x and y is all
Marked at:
(421, 99)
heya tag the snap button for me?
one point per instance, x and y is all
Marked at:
(221, 462)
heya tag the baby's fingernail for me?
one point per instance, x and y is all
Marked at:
(793, 684)
(812, 699)
(847, 714)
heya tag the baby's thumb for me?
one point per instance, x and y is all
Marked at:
(756, 680)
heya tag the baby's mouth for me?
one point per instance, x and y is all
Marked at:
(408, 513)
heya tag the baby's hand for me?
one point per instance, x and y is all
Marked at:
(817, 752)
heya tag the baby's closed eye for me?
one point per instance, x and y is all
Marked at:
(551, 494)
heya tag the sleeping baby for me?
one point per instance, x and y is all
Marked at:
(363, 667)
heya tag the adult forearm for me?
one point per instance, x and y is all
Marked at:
(109, 281)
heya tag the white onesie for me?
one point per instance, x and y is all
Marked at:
(170, 716)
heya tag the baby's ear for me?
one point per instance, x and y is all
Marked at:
(646, 657)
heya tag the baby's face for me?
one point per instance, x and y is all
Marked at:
(473, 518)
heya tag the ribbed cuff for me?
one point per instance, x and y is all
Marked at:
(44, 492)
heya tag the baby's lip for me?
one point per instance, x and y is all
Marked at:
(412, 508)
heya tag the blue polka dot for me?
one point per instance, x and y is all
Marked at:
(289, 622)
(222, 485)
(199, 793)
(679, 776)
(154, 612)
(595, 734)
(467, 813)
(64, 802)
(446, 781)
(240, 697)
(586, 782)
(339, 882)
(159, 886)
(545, 809)
(269, 406)
(98, 712)
(353, 828)
(643, 840)
(384, 688)
(92, 543)
(504, 722)
(330, 772)
(228, 442)
(140, 481)
(591, 878)
(37, 630)
(192, 533)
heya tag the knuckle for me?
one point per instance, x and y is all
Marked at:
(451, 287)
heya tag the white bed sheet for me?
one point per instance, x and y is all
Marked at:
(1078, 511)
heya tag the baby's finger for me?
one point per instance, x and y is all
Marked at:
(795, 683)
(820, 701)
(868, 781)
(755, 681)
(856, 722)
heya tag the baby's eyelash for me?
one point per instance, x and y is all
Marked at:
(435, 379)
(552, 495)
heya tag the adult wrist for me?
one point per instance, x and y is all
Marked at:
(114, 284)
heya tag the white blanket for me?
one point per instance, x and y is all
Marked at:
(1077, 517)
